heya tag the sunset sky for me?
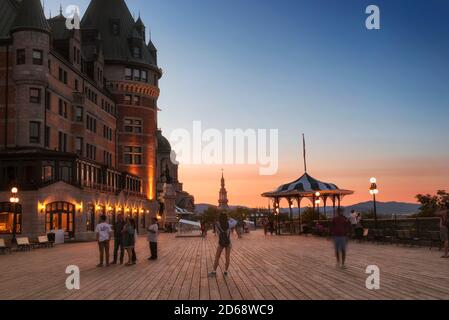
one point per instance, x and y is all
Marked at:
(371, 103)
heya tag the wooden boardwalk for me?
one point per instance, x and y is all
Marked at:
(262, 268)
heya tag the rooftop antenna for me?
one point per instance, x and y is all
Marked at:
(304, 152)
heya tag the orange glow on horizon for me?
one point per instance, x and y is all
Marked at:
(398, 181)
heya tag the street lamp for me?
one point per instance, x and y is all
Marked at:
(278, 220)
(374, 191)
(317, 203)
(14, 201)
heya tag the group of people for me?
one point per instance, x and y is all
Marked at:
(125, 236)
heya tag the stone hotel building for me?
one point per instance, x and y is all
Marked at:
(79, 134)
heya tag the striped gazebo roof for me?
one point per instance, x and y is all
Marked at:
(307, 186)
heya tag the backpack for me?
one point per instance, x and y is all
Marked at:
(223, 237)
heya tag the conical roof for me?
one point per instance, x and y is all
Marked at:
(30, 16)
(102, 15)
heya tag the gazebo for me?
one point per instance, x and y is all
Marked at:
(309, 188)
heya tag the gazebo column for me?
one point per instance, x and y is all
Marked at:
(324, 202)
(299, 215)
(277, 215)
(333, 206)
(290, 204)
(339, 202)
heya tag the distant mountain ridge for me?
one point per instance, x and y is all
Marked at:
(383, 208)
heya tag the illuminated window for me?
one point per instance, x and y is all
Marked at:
(8, 212)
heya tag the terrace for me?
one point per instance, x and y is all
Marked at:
(262, 267)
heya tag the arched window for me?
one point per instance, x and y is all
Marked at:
(60, 216)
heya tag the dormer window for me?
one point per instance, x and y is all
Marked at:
(115, 27)
(137, 52)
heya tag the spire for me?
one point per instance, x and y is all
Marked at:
(223, 195)
(60, 9)
(30, 16)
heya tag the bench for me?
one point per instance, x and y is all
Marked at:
(43, 242)
(3, 247)
(23, 244)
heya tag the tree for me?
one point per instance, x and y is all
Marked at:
(211, 214)
(430, 204)
(309, 215)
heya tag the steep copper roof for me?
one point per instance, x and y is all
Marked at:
(8, 9)
(30, 16)
(102, 15)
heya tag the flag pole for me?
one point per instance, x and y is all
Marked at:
(304, 152)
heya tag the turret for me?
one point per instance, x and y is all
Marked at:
(30, 34)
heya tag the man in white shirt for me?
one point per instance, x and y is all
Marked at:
(153, 232)
(103, 231)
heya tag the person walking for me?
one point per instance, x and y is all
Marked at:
(340, 229)
(118, 239)
(444, 231)
(265, 226)
(223, 227)
(136, 236)
(153, 233)
(129, 239)
(103, 233)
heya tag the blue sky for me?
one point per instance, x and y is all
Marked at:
(308, 66)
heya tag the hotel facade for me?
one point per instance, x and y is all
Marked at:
(79, 135)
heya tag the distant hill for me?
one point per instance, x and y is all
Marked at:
(201, 207)
(383, 208)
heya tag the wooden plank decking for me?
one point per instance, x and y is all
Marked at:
(262, 268)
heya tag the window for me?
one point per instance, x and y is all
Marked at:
(137, 100)
(37, 57)
(137, 52)
(48, 171)
(91, 123)
(128, 74)
(47, 136)
(48, 100)
(144, 76)
(7, 213)
(79, 114)
(62, 75)
(35, 134)
(62, 108)
(79, 146)
(65, 171)
(76, 85)
(136, 75)
(128, 98)
(62, 142)
(35, 95)
(107, 158)
(107, 133)
(20, 57)
(91, 151)
(133, 155)
(133, 125)
(115, 27)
